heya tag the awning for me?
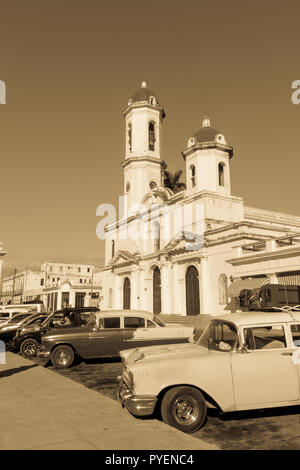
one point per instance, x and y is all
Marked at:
(251, 283)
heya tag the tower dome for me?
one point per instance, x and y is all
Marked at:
(145, 94)
(208, 133)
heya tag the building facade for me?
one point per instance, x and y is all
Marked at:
(183, 252)
(69, 285)
(57, 285)
(22, 286)
(2, 254)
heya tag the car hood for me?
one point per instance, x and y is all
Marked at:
(166, 352)
(9, 328)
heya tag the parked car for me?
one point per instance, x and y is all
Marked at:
(33, 307)
(8, 314)
(28, 338)
(107, 333)
(9, 329)
(242, 361)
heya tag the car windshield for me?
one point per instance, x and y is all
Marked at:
(219, 336)
(158, 321)
(17, 319)
(33, 319)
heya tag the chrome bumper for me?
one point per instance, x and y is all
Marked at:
(42, 354)
(138, 405)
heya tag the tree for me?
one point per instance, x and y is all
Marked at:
(171, 181)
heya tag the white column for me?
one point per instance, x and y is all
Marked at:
(166, 288)
(136, 292)
(146, 291)
(205, 292)
(118, 293)
(58, 300)
(179, 305)
(72, 298)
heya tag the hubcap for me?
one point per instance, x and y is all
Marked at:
(186, 410)
(62, 357)
(29, 348)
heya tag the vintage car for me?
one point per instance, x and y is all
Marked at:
(242, 361)
(28, 337)
(107, 333)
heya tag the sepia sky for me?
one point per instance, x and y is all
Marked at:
(70, 67)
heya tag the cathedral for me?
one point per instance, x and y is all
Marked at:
(189, 252)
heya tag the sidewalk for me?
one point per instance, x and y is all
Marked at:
(41, 409)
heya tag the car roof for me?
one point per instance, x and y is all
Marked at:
(259, 318)
(124, 313)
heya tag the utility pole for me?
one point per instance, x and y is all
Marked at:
(13, 287)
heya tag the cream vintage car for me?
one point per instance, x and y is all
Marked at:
(242, 361)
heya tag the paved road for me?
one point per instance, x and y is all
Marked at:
(269, 429)
(40, 409)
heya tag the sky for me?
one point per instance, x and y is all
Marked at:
(70, 67)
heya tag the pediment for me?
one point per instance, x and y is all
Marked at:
(157, 196)
(185, 241)
(122, 257)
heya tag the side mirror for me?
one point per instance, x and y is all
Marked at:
(244, 349)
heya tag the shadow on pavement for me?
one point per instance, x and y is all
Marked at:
(16, 370)
(254, 414)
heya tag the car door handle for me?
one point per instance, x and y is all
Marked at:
(287, 354)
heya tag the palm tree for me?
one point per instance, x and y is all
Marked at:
(171, 181)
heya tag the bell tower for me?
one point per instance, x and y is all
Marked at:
(142, 165)
(207, 159)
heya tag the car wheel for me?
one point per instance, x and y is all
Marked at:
(184, 408)
(62, 357)
(29, 348)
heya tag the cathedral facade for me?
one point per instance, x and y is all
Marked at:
(187, 252)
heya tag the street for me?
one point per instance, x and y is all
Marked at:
(273, 429)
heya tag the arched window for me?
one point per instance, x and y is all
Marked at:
(193, 175)
(221, 174)
(156, 290)
(129, 136)
(126, 294)
(151, 135)
(223, 289)
(156, 236)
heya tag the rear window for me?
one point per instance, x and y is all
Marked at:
(134, 322)
(265, 337)
(113, 322)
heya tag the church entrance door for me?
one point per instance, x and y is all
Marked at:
(156, 291)
(192, 291)
(126, 294)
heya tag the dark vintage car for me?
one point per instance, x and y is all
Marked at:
(28, 338)
(107, 333)
(9, 329)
